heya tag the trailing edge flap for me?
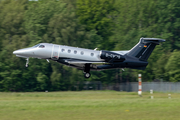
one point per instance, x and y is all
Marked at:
(82, 61)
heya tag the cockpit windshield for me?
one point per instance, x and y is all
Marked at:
(36, 46)
(41, 46)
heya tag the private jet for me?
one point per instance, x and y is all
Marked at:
(87, 59)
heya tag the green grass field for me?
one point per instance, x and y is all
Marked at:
(89, 105)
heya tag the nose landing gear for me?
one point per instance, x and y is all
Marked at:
(27, 62)
(86, 71)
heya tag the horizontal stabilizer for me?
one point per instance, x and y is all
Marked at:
(152, 40)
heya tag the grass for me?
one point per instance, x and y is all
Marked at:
(89, 105)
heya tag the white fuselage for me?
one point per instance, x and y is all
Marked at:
(76, 53)
(53, 51)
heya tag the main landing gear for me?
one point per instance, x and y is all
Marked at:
(86, 71)
(87, 75)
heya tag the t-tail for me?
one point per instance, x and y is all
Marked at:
(144, 48)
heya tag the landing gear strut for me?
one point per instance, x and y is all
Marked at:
(86, 71)
(27, 62)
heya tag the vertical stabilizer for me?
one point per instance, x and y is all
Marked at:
(144, 48)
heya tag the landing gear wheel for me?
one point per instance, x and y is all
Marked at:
(87, 75)
(26, 65)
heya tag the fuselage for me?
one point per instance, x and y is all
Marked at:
(54, 51)
(78, 57)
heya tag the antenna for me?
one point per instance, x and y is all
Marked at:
(95, 48)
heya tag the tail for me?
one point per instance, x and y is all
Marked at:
(144, 48)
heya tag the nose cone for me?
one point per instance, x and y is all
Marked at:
(19, 52)
(24, 52)
(16, 52)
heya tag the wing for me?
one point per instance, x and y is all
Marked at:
(121, 52)
(80, 64)
(72, 61)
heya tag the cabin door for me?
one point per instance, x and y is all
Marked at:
(55, 52)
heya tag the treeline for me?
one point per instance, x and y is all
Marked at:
(105, 24)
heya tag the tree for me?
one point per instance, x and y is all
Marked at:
(12, 37)
(97, 15)
(172, 67)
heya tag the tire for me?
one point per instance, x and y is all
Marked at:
(26, 65)
(87, 75)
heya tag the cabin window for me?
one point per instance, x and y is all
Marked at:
(75, 52)
(82, 53)
(92, 54)
(41, 46)
(69, 51)
(62, 50)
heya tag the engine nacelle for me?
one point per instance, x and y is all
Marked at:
(107, 55)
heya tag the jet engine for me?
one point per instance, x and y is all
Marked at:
(111, 56)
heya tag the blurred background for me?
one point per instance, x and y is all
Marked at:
(103, 24)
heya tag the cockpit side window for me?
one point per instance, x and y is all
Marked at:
(41, 46)
(36, 46)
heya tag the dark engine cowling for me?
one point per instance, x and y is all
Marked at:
(107, 55)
